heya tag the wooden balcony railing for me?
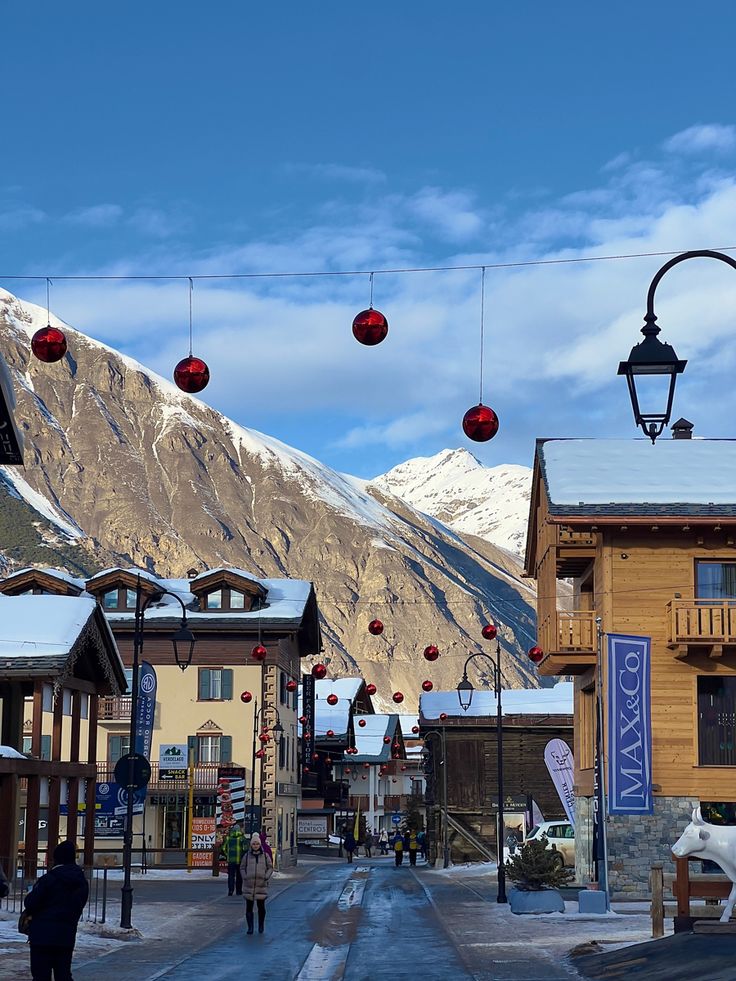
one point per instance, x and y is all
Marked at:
(569, 640)
(114, 709)
(205, 777)
(701, 622)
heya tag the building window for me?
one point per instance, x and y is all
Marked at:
(208, 749)
(110, 600)
(283, 750)
(717, 721)
(237, 600)
(214, 600)
(129, 599)
(215, 684)
(283, 693)
(715, 580)
(117, 746)
(119, 599)
(225, 598)
(27, 744)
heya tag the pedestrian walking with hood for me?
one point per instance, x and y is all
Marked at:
(368, 843)
(411, 844)
(256, 869)
(233, 846)
(350, 844)
(55, 905)
(398, 849)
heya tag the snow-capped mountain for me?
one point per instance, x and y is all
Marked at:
(472, 499)
(129, 470)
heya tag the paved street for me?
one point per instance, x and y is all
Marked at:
(357, 922)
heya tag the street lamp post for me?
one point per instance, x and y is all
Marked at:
(465, 691)
(443, 742)
(651, 359)
(183, 641)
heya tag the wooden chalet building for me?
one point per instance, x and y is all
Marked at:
(531, 718)
(647, 535)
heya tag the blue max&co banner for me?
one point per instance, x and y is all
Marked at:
(146, 710)
(629, 725)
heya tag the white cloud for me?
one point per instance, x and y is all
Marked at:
(451, 212)
(21, 217)
(96, 216)
(337, 172)
(703, 138)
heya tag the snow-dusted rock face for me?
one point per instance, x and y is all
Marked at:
(490, 502)
(149, 476)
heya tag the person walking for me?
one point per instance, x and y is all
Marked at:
(256, 869)
(383, 841)
(411, 843)
(349, 845)
(398, 849)
(368, 843)
(233, 846)
(55, 904)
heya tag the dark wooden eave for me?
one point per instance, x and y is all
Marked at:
(28, 579)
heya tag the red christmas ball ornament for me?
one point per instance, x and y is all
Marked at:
(396, 744)
(259, 653)
(403, 769)
(415, 729)
(431, 653)
(264, 737)
(246, 696)
(393, 779)
(366, 766)
(328, 759)
(536, 654)
(364, 777)
(191, 375)
(49, 344)
(307, 735)
(489, 631)
(375, 627)
(319, 671)
(302, 719)
(443, 716)
(315, 756)
(396, 756)
(291, 685)
(306, 769)
(370, 689)
(332, 699)
(480, 423)
(260, 754)
(361, 723)
(398, 697)
(330, 733)
(387, 739)
(370, 327)
(427, 685)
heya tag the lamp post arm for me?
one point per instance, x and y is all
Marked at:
(157, 596)
(696, 254)
(494, 665)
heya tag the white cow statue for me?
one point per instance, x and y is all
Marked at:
(715, 842)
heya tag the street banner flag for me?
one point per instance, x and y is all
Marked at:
(146, 710)
(559, 759)
(356, 826)
(629, 725)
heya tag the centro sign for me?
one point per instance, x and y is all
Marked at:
(311, 827)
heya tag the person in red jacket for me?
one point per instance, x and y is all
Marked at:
(56, 903)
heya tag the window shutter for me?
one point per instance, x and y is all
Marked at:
(45, 747)
(227, 684)
(204, 684)
(193, 747)
(226, 749)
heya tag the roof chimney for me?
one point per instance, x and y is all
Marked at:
(192, 573)
(682, 429)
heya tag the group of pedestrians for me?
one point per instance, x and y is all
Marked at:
(249, 871)
(411, 841)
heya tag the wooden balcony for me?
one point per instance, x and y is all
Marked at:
(701, 626)
(569, 641)
(115, 709)
(205, 778)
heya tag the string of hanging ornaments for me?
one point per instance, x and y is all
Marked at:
(370, 327)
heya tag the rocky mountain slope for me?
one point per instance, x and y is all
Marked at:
(143, 474)
(470, 498)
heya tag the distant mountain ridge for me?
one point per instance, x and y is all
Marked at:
(467, 496)
(132, 471)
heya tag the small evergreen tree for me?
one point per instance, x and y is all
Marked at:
(535, 866)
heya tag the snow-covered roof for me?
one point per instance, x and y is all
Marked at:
(7, 752)
(632, 476)
(210, 573)
(407, 723)
(369, 738)
(514, 701)
(60, 574)
(326, 717)
(347, 688)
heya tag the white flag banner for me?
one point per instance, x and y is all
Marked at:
(561, 765)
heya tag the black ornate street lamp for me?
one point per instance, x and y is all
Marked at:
(651, 359)
(183, 642)
(465, 691)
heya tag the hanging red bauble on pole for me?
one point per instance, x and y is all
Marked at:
(387, 739)
(264, 737)
(246, 696)
(443, 716)
(302, 719)
(480, 423)
(415, 729)
(489, 631)
(330, 733)
(49, 344)
(259, 653)
(191, 375)
(427, 685)
(291, 685)
(332, 699)
(370, 327)
(398, 697)
(361, 723)
(319, 671)
(260, 754)
(370, 689)
(431, 653)
(536, 654)
(375, 627)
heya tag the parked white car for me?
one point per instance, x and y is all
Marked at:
(560, 836)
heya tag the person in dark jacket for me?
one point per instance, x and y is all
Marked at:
(56, 903)
(233, 846)
(350, 845)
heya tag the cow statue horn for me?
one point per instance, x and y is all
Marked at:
(697, 816)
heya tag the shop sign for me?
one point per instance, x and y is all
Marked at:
(311, 827)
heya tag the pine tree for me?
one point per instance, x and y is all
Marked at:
(535, 866)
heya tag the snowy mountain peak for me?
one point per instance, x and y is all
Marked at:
(459, 490)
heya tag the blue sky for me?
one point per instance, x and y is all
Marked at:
(177, 138)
